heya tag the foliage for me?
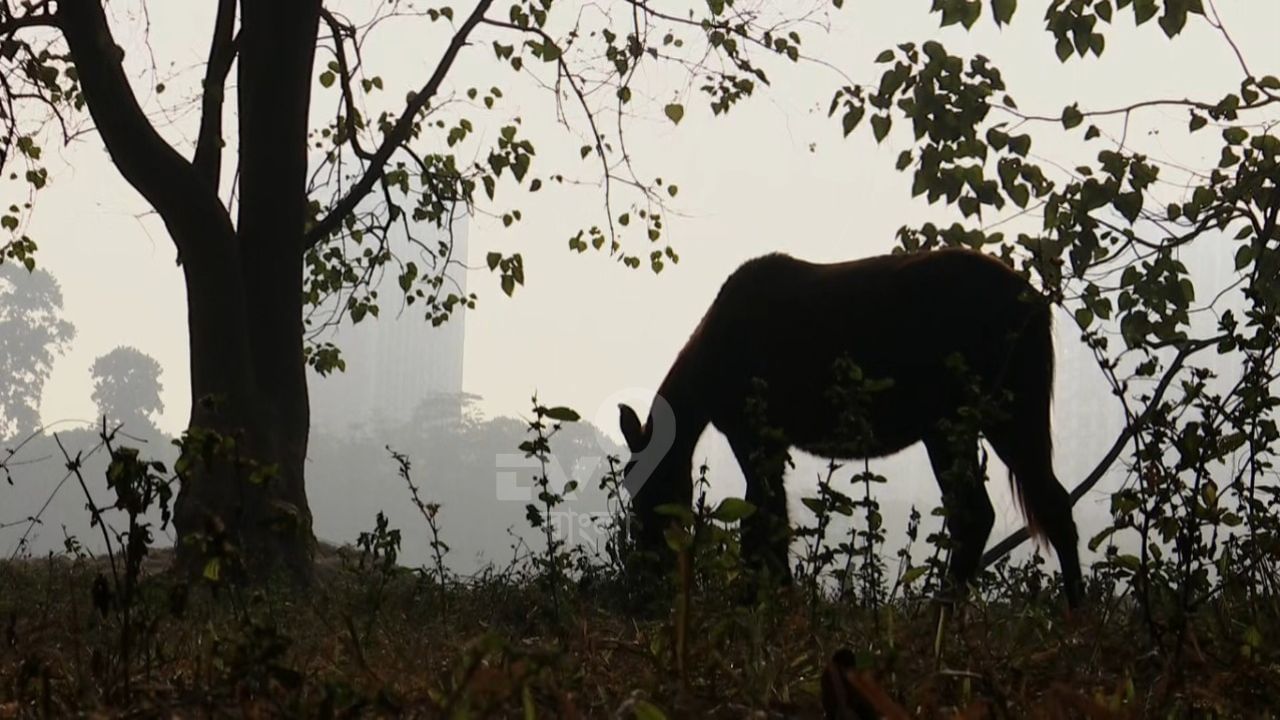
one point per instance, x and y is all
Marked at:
(126, 388)
(368, 638)
(1113, 248)
(32, 334)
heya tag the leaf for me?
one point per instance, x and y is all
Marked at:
(733, 509)
(1235, 135)
(1129, 204)
(213, 570)
(492, 259)
(1063, 48)
(852, 118)
(1144, 10)
(326, 78)
(674, 112)
(1020, 144)
(645, 710)
(814, 504)
(880, 125)
(1003, 10)
(914, 574)
(1071, 116)
(885, 56)
(1244, 256)
(562, 414)
(1096, 540)
(1173, 20)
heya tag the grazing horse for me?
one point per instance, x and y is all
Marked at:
(939, 330)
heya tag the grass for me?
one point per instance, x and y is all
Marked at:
(373, 639)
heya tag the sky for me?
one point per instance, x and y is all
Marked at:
(775, 175)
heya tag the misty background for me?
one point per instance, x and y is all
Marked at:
(584, 331)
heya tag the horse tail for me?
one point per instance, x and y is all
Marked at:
(1030, 380)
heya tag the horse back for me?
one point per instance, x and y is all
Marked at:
(903, 318)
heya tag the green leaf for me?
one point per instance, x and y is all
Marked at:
(645, 710)
(885, 56)
(562, 414)
(1063, 48)
(914, 574)
(880, 125)
(1144, 10)
(674, 112)
(1097, 540)
(1235, 135)
(1173, 20)
(732, 510)
(1244, 256)
(1071, 116)
(493, 259)
(1129, 204)
(1020, 144)
(326, 78)
(1003, 10)
(851, 119)
(212, 569)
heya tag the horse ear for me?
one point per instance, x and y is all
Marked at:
(632, 430)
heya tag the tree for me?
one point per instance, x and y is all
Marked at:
(32, 334)
(126, 388)
(304, 233)
(1189, 352)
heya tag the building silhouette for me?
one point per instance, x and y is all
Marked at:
(398, 364)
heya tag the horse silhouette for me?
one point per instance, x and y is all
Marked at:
(958, 345)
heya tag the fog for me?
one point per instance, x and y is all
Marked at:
(585, 332)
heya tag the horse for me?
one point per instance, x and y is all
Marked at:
(941, 332)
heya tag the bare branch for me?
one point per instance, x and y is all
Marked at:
(13, 25)
(340, 34)
(222, 52)
(1006, 546)
(150, 164)
(399, 134)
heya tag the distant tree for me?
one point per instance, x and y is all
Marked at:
(32, 334)
(126, 388)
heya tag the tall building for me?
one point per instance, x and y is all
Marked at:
(397, 363)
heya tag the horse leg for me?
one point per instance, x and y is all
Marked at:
(970, 515)
(766, 533)
(1022, 443)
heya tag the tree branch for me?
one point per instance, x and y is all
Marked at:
(399, 134)
(340, 33)
(146, 161)
(1004, 547)
(222, 52)
(12, 25)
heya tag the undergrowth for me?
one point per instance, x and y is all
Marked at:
(563, 631)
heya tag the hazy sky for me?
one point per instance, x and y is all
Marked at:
(774, 175)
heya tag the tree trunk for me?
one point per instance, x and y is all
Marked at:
(242, 503)
(259, 506)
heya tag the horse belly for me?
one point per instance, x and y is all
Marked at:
(897, 417)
